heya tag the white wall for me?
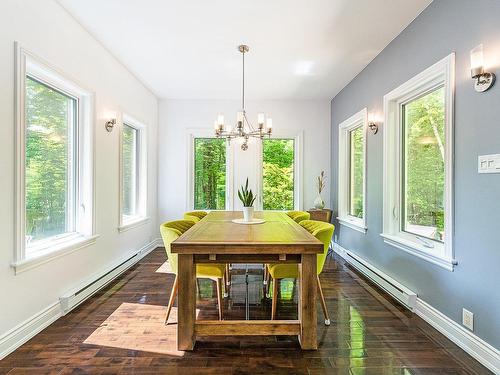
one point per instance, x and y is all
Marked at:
(44, 28)
(177, 117)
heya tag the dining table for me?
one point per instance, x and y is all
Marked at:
(218, 239)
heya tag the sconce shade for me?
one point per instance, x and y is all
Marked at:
(477, 61)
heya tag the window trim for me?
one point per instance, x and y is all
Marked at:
(441, 73)
(359, 119)
(142, 191)
(206, 133)
(297, 169)
(27, 62)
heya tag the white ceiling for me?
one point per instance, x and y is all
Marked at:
(299, 49)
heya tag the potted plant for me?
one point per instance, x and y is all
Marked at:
(319, 203)
(247, 198)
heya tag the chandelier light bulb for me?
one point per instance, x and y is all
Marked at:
(220, 119)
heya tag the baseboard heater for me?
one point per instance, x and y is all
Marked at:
(70, 300)
(384, 281)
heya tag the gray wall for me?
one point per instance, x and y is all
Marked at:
(445, 26)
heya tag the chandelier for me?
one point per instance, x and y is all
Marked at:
(243, 128)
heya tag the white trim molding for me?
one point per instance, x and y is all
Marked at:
(356, 121)
(20, 334)
(81, 231)
(479, 349)
(141, 201)
(441, 74)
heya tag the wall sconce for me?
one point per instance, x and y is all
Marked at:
(110, 124)
(373, 121)
(484, 80)
(373, 127)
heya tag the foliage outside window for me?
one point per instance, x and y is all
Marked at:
(423, 168)
(50, 162)
(356, 172)
(278, 174)
(130, 170)
(209, 174)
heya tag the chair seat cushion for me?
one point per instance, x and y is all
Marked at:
(283, 271)
(210, 271)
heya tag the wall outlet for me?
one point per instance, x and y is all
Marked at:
(468, 319)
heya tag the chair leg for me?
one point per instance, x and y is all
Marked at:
(268, 282)
(219, 297)
(276, 283)
(323, 303)
(264, 278)
(228, 275)
(171, 300)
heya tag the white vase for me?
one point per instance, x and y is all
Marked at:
(319, 203)
(248, 213)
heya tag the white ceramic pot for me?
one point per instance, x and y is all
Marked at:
(248, 213)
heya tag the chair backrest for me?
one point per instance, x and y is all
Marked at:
(298, 216)
(195, 215)
(170, 231)
(323, 232)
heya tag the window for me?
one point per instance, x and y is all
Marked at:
(133, 174)
(278, 161)
(54, 163)
(209, 174)
(418, 154)
(352, 171)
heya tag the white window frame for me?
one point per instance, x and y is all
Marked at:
(358, 120)
(440, 74)
(28, 63)
(141, 217)
(297, 169)
(192, 134)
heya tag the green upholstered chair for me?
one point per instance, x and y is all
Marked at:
(172, 230)
(323, 232)
(195, 215)
(298, 216)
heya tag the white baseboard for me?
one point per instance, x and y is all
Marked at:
(20, 334)
(29, 328)
(477, 348)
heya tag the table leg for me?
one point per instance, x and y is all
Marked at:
(307, 302)
(186, 310)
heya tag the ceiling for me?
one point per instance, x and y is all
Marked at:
(299, 49)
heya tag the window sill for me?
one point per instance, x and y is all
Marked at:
(132, 223)
(55, 252)
(357, 225)
(418, 251)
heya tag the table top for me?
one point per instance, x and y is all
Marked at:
(216, 233)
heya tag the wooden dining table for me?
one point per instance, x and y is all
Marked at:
(216, 239)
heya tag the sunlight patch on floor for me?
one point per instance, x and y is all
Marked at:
(165, 268)
(139, 327)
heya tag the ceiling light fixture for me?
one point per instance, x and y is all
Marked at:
(243, 129)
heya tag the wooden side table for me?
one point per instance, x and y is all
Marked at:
(324, 214)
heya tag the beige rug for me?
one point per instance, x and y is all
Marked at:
(138, 327)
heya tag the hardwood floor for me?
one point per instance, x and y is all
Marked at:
(120, 330)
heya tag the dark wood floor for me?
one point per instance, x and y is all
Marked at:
(369, 334)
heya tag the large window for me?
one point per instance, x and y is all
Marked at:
(423, 144)
(133, 174)
(50, 162)
(209, 174)
(352, 167)
(54, 200)
(418, 155)
(278, 160)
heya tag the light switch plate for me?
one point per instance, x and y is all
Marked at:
(488, 163)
